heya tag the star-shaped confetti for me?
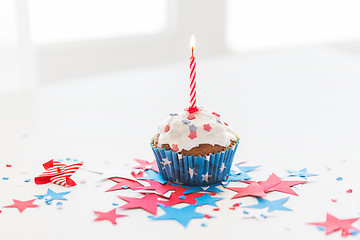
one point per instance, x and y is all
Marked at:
(233, 177)
(254, 189)
(192, 128)
(145, 165)
(179, 197)
(207, 127)
(167, 128)
(274, 183)
(271, 205)
(123, 183)
(333, 224)
(153, 176)
(158, 187)
(148, 203)
(246, 169)
(110, 216)
(301, 173)
(181, 215)
(22, 205)
(53, 195)
(206, 199)
(192, 135)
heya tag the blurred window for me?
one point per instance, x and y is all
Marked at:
(264, 24)
(77, 20)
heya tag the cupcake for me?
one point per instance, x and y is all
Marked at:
(194, 148)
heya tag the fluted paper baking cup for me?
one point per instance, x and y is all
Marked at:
(194, 170)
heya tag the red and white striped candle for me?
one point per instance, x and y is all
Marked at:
(192, 76)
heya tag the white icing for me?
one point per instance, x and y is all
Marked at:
(178, 133)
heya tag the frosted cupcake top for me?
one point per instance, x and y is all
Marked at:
(184, 131)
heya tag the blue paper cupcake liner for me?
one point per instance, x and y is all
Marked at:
(194, 170)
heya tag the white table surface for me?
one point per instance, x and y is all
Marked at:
(292, 109)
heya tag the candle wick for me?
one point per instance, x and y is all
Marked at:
(192, 51)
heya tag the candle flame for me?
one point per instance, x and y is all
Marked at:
(192, 43)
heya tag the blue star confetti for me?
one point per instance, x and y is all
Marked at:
(301, 173)
(53, 196)
(181, 215)
(153, 176)
(272, 205)
(206, 199)
(246, 169)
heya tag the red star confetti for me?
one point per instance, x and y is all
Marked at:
(254, 189)
(110, 216)
(178, 197)
(174, 147)
(58, 173)
(148, 203)
(158, 187)
(138, 175)
(274, 183)
(123, 183)
(207, 127)
(145, 165)
(192, 135)
(167, 128)
(333, 224)
(22, 205)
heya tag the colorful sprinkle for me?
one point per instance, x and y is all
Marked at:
(231, 208)
(207, 127)
(5, 178)
(245, 212)
(167, 128)
(59, 204)
(216, 114)
(173, 114)
(207, 216)
(174, 147)
(191, 116)
(216, 209)
(339, 178)
(27, 180)
(349, 191)
(193, 128)
(226, 124)
(182, 197)
(334, 200)
(115, 204)
(203, 225)
(192, 135)
(218, 121)
(8, 165)
(236, 205)
(185, 121)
